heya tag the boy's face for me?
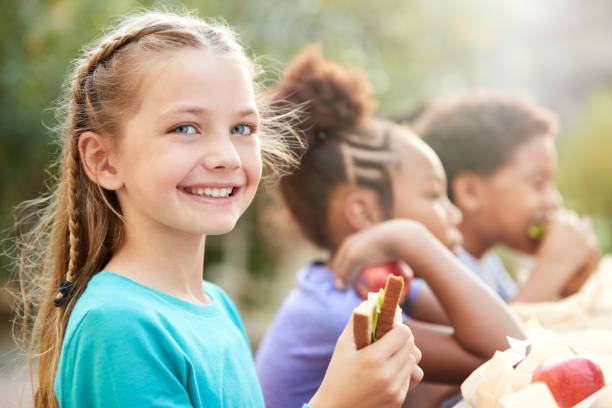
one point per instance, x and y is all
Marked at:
(520, 193)
(419, 191)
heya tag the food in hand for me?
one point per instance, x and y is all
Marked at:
(373, 318)
(570, 380)
(373, 278)
(536, 230)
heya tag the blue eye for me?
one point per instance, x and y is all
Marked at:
(185, 129)
(242, 130)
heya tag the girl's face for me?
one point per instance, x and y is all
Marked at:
(419, 191)
(189, 158)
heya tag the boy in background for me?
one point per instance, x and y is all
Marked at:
(500, 158)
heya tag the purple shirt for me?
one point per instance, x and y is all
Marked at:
(294, 354)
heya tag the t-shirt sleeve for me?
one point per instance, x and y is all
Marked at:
(118, 358)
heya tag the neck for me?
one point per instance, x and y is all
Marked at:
(164, 259)
(474, 241)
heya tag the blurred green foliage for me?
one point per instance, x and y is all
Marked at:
(40, 38)
(586, 164)
(405, 47)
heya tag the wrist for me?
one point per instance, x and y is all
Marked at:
(539, 285)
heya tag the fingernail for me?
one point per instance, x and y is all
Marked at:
(339, 284)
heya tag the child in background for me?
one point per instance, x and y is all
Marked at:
(501, 162)
(356, 172)
(163, 145)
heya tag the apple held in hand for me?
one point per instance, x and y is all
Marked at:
(570, 380)
(373, 278)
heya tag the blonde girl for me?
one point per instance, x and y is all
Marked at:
(164, 143)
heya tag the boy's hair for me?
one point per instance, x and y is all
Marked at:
(478, 132)
(69, 235)
(342, 143)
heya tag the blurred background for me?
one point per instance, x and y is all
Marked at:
(558, 52)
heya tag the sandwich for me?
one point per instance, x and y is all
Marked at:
(374, 317)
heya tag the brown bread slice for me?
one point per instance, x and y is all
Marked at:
(393, 291)
(362, 324)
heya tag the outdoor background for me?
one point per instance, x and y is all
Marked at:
(559, 52)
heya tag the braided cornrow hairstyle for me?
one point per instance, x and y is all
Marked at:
(343, 143)
(71, 233)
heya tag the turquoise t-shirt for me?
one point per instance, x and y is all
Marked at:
(127, 345)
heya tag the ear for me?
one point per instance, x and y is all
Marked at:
(96, 155)
(362, 208)
(468, 191)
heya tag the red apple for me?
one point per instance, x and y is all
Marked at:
(373, 278)
(570, 380)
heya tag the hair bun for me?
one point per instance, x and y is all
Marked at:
(333, 98)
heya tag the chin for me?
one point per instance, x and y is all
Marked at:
(219, 228)
(216, 227)
(526, 245)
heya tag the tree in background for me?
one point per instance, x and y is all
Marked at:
(585, 179)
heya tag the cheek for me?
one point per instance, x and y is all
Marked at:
(250, 157)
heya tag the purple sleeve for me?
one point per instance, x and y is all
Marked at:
(294, 354)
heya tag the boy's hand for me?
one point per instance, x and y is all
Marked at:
(371, 246)
(569, 252)
(378, 375)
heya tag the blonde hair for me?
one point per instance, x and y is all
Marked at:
(71, 233)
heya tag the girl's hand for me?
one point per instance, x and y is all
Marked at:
(373, 245)
(378, 375)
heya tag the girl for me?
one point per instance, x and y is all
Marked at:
(162, 147)
(356, 172)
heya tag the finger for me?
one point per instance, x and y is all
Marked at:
(416, 377)
(404, 374)
(587, 222)
(418, 355)
(397, 362)
(392, 342)
(413, 347)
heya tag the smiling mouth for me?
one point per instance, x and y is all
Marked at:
(211, 192)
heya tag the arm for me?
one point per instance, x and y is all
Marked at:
(427, 308)
(444, 360)
(461, 295)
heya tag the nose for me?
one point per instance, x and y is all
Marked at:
(554, 200)
(220, 152)
(455, 216)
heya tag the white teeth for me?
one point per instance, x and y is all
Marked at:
(210, 192)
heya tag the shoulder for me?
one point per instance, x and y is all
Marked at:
(315, 306)
(217, 294)
(113, 309)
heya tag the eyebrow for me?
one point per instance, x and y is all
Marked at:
(196, 110)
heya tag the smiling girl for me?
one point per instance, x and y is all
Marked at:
(163, 145)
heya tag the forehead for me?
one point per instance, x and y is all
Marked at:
(536, 154)
(197, 77)
(417, 160)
